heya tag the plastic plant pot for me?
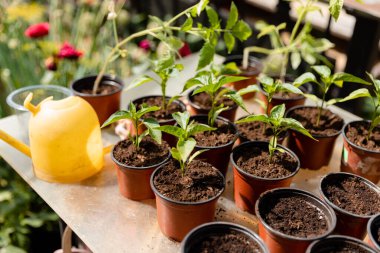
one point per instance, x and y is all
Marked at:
(279, 242)
(334, 243)
(195, 109)
(312, 154)
(134, 182)
(373, 228)
(217, 156)
(104, 104)
(248, 187)
(348, 223)
(170, 139)
(198, 234)
(254, 69)
(177, 218)
(359, 160)
(15, 100)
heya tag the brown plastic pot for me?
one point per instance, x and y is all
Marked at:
(248, 187)
(347, 223)
(278, 242)
(195, 109)
(335, 242)
(218, 156)
(171, 140)
(252, 74)
(177, 218)
(104, 104)
(359, 160)
(134, 182)
(373, 227)
(198, 234)
(312, 154)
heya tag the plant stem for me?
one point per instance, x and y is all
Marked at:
(321, 108)
(136, 126)
(163, 91)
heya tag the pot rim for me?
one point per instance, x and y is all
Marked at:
(191, 103)
(306, 194)
(337, 208)
(181, 104)
(353, 144)
(370, 223)
(116, 82)
(316, 135)
(125, 167)
(253, 61)
(187, 203)
(258, 144)
(341, 238)
(224, 120)
(299, 97)
(231, 225)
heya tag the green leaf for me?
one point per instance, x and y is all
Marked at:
(139, 81)
(212, 17)
(363, 92)
(199, 128)
(230, 69)
(233, 16)
(191, 83)
(293, 124)
(175, 154)
(241, 30)
(185, 148)
(266, 80)
(153, 129)
(145, 109)
(252, 118)
(12, 249)
(201, 6)
(278, 112)
(322, 70)
(375, 82)
(312, 97)
(290, 88)
(229, 39)
(188, 24)
(206, 55)
(249, 89)
(172, 130)
(213, 114)
(117, 116)
(231, 79)
(295, 59)
(335, 7)
(5, 196)
(345, 77)
(193, 156)
(173, 98)
(182, 118)
(304, 78)
(164, 63)
(237, 98)
(32, 222)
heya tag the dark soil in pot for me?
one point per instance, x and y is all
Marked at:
(373, 231)
(103, 89)
(160, 115)
(256, 131)
(357, 133)
(339, 244)
(219, 137)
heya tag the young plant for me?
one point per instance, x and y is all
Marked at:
(164, 31)
(186, 143)
(325, 81)
(136, 117)
(278, 125)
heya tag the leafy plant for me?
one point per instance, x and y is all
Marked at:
(186, 143)
(278, 125)
(325, 81)
(164, 31)
(136, 117)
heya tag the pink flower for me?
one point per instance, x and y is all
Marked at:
(145, 44)
(185, 50)
(37, 30)
(68, 51)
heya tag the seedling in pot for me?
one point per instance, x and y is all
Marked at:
(186, 143)
(278, 124)
(136, 117)
(325, 81)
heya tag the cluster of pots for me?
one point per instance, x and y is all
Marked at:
(191, 220)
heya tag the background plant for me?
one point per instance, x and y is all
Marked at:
(184, 133)
(136, 117)
(278, 124)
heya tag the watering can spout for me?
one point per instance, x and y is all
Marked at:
(23, 148)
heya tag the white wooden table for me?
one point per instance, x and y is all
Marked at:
(108, 222)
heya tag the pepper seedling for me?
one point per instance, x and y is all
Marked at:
(184, 133)
(136, 117)
(325, 81)
(278, 125)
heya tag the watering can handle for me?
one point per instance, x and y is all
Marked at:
(15, 143)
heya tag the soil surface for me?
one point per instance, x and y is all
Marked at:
(297, 217)
(148, 154)
(221, 136)
(329, 123)
(357, 133)
(257, 131)
(347, 248)
(200, 182)
(255, 161)
(354, 196)
(231, 242)
(103, 89)
(204, 102)
(160, 114)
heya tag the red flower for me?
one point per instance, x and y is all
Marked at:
(69, 52)
(145, 44)
(37, 30)
(185, 50)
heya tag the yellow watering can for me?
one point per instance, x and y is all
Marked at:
(65, 140)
